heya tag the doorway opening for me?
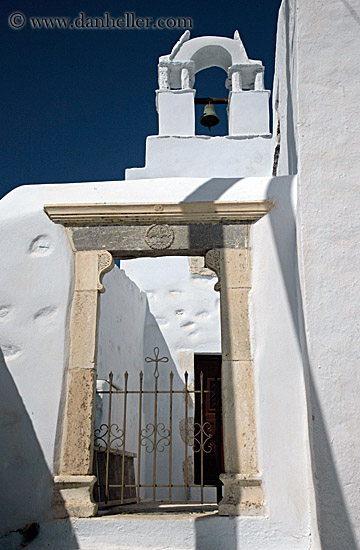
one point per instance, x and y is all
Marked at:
(209, 413)
(149, 428)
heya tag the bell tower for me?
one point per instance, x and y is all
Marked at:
(176, 150)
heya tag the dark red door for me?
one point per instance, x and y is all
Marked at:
(210, 366)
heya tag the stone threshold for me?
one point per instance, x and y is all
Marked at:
(164, 510)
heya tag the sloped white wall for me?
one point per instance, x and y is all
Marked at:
(120, 348)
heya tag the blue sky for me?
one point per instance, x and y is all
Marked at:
(77, 105)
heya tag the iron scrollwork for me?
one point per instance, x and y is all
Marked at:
(116, 434)
(148, 441)
(208, 438)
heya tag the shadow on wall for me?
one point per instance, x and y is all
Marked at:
(25, 480)
(207, 533)
(209, 537)
(207, 529)
(332, 517)
(290, 116)
(211, 190)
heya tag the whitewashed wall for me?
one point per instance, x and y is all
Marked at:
(204, 156)
(280, 386)
(318, 85)
(35, 288)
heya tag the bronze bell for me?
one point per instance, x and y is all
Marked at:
(209, 117)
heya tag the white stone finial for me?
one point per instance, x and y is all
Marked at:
(236, 35)
(183, 38)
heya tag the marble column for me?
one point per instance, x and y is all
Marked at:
(242, 486)
(75, 480)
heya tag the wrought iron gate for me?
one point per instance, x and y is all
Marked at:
(153, 438)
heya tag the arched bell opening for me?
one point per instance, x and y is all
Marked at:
(211, 55)
(210, 83)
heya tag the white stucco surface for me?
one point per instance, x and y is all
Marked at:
(249, 113)
(171, 106)
(185, 306)
(35, 288)
(161, 532)
(280, 385)
(318, 88)
(205, 156)
(210, 51)
(190, 56)
(31, 198)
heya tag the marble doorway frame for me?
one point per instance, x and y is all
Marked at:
(98, 233)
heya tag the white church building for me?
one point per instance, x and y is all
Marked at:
(202, 392)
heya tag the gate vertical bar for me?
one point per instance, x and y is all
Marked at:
(155, 438)
(186, 437)
(202, 435)
(139, 442)
(124, 439)
(108, 441)
(170, 436)
(218, 440)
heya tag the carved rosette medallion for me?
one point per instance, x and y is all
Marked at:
(159, 237)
